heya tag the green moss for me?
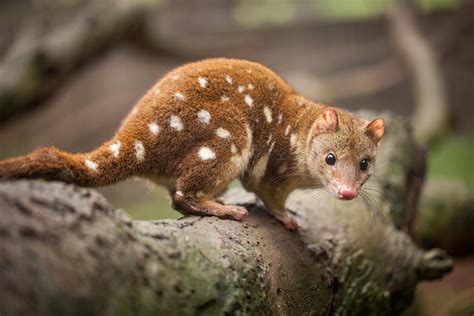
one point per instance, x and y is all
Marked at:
(200, 285)
(364, 295)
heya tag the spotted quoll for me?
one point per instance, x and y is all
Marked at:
(207, 123)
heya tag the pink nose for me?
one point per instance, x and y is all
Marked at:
(345, 193)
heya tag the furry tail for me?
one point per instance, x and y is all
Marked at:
(105, 165)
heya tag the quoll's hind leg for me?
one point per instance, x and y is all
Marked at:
(282, 215)
(289, 222)
(274, 202)
(206, 207)
(203, 174)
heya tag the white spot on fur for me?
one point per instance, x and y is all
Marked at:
(257, 120)
(248, 100)
(271, 148)
(300, 101)
(154, 128)
(293, 140)
(179, 96)
(139, 150)
(269, 139)
(115, 149)
(157, 91)
(228, 78)
(206, 153)
(241, 88)
(259, 169)
(287, 130)
(233, 149)
(268, 114)
(175, 122)
(204, 116)
(175, 77)
(249, 71)
(240, 161)
(179, 193)
(91, 164)
(283, 168)
(202, 82)
(199, 194)
(250, 86)
(224, 98)
(222, 132)
(280, 117)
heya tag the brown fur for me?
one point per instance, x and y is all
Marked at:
(270, 158)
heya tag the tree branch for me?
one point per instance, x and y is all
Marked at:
(41, 57)
(66, 251)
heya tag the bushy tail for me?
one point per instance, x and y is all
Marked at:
(105, 165)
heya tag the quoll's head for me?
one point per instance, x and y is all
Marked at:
(342, 151)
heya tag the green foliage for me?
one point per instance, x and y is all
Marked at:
(430, 5)
(159, 208)
(250, 13)
(349, 9)
(452, 158)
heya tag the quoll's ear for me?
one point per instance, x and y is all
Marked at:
(326, 122)
(375, 130)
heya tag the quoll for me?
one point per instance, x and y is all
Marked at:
(207, 123)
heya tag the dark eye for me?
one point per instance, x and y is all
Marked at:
(330, 159)
(364, 164)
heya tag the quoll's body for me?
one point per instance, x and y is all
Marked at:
(207, 123)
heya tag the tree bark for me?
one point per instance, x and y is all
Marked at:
(65, 250)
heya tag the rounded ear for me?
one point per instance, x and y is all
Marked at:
(375, 130)
(326, 122)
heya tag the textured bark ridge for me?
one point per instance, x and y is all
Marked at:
(65, 250)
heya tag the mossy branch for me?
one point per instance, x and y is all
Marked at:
(66, 251)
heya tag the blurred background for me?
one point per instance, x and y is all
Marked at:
(70, 70)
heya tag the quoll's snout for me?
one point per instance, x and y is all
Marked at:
(346, 193)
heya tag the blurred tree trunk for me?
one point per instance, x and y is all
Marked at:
(431, 116)
(42, 44)
(445, 217)
(66, 251)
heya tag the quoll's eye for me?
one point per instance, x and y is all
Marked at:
(364, 164)
(330, 159)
